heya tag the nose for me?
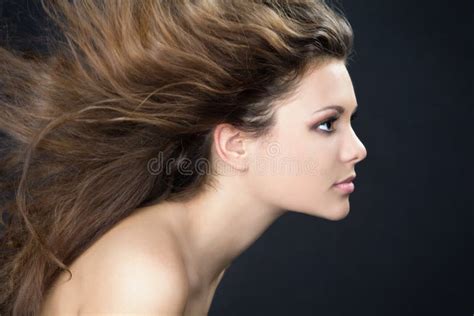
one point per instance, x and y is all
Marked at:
(355, 150)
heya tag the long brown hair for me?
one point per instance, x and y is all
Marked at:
(124, 82)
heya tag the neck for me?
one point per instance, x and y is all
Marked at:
(217, 226)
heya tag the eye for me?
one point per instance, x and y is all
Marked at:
(329, 122)
(326, 122)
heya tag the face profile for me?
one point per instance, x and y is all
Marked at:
(311, 147)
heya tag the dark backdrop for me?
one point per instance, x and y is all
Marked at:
(406, 248)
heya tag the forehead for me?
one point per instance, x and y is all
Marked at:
(323, 85)
(329, 82)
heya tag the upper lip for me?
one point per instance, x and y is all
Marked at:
(348, 179)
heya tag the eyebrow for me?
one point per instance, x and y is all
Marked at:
(338, 108)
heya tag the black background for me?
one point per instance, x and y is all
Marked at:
(406, 247)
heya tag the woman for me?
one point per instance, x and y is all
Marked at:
(158, 140)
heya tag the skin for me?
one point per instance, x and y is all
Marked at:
(294, 168)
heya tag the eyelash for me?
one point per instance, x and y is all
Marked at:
(332, 119)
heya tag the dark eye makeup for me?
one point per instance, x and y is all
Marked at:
(331, 120)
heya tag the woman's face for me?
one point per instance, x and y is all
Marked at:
(296, 166)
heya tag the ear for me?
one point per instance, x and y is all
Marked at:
(232, 146)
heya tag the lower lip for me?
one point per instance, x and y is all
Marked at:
(345, 187)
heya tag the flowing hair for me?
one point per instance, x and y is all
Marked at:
(121, 84)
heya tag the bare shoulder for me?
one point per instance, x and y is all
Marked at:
(135, 271)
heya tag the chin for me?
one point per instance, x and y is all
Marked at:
(331, 215)
(337, 215)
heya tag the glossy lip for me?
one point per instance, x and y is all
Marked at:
(347, 180)
(345, 187)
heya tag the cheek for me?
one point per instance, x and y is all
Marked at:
(289, 174)
(296, 176)
(294, 157)
(311, 155)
